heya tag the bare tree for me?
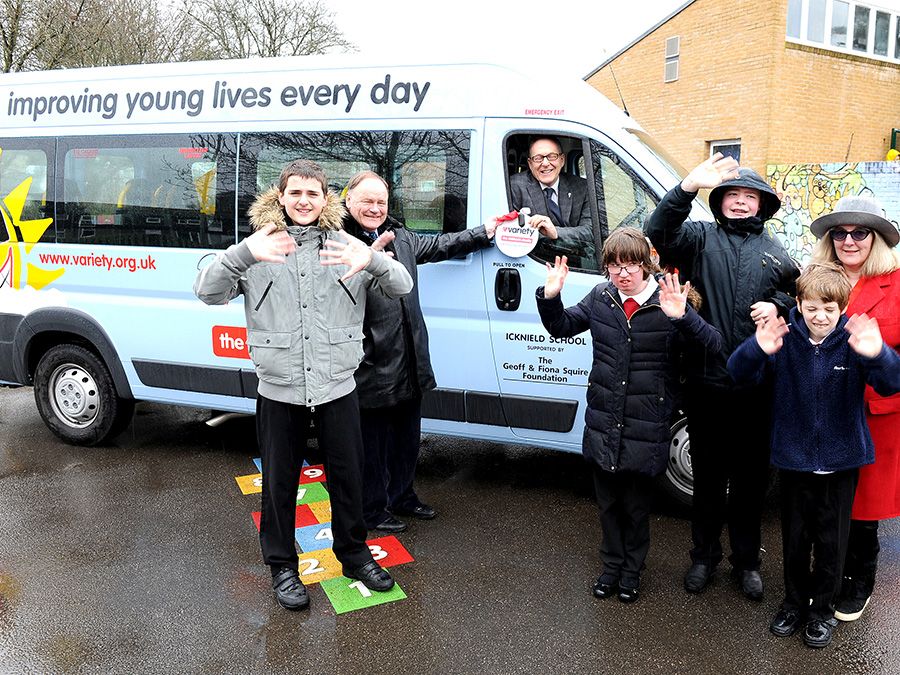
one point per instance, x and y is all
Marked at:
(242, 28)
(47, 34)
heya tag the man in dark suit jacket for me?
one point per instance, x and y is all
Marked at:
(563, 214)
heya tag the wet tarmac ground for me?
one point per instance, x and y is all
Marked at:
(141, 557)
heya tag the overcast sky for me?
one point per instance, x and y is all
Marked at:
(576, 35)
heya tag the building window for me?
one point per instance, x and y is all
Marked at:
(840, 14)
(673, 47)
(861, 29)
(897, 38)
(882, 32)
(795, 8)
(850, 26)
(729, 148)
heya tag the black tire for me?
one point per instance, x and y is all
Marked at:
(678, 480)
(76, 396)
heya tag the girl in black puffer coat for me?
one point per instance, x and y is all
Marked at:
(637, 324)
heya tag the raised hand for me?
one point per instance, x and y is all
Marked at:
(763, 311)
(865, 336)
(383, 240)
(268, 244)
(673, 296)
(351, 252)
(770, 335)
(711, 173)
(556, 277)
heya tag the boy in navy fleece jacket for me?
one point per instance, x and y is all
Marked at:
(820, 438)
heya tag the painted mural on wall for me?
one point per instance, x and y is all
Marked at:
(810, 190)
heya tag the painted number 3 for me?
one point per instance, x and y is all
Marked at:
(378, 553)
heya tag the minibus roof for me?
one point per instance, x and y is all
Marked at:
(217, 94)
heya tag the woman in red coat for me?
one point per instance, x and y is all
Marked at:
(861, 239)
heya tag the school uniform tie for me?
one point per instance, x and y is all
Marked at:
(553, 207)
(630, 306)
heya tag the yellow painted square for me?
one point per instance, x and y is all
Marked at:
(317, 566)
(250, 484)
(321, 510)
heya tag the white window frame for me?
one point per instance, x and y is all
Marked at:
(873, 7)
(727, 141)
(672, 57)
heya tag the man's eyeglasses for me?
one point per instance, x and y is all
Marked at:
(857, 235)
(617, 269)
(539, 159)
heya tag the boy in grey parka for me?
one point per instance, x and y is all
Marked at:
(304, 330)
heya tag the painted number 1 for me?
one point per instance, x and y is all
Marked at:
(363, 591)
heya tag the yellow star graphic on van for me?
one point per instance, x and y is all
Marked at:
(18, 231)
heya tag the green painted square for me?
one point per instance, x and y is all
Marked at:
(347, 598)
(311, 492)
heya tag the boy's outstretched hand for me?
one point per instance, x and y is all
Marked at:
(673, 296)
(556, 277)
(770, 335)
(865, 336)
(711, 173)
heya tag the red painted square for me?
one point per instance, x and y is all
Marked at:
(302, 517)
(312, 474)
(388, 551)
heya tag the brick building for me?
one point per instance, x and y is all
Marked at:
(777, 81)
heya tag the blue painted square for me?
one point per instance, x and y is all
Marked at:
(258, 462)
(314, 537)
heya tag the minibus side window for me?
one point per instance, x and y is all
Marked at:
(576, 236)
(169, 191)
(427, 171)
(623, 198)
(20, 164)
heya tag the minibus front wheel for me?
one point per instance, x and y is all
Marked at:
(76, 396)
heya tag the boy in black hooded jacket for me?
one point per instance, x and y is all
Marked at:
(744, 275)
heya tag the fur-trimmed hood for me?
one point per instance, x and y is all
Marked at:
(267, 209)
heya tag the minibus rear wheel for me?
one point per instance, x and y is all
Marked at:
(76, 396)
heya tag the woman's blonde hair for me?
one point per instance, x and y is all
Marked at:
(882, 259)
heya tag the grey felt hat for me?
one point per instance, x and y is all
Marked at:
(860, 210)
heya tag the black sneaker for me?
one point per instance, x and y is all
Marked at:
(854, 598)
(606, 586)
(289, 590)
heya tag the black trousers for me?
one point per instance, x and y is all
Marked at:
(815, 526)
(624, 502)
(729, 431)
(391, 438)
(281, 431)
(862, 552)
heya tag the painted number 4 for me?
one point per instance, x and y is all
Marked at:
(324, 533)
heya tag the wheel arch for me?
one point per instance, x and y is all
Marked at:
(47, 327)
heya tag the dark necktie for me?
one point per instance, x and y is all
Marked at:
(373, 235)
(630, 306)
(553, 207)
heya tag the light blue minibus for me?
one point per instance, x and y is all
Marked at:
(118, 183)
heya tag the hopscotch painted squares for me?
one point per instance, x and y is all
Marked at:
(303, 516)
(347, 595)
(321, 510)
(312, 492)
(314, 537)
(252, 483)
